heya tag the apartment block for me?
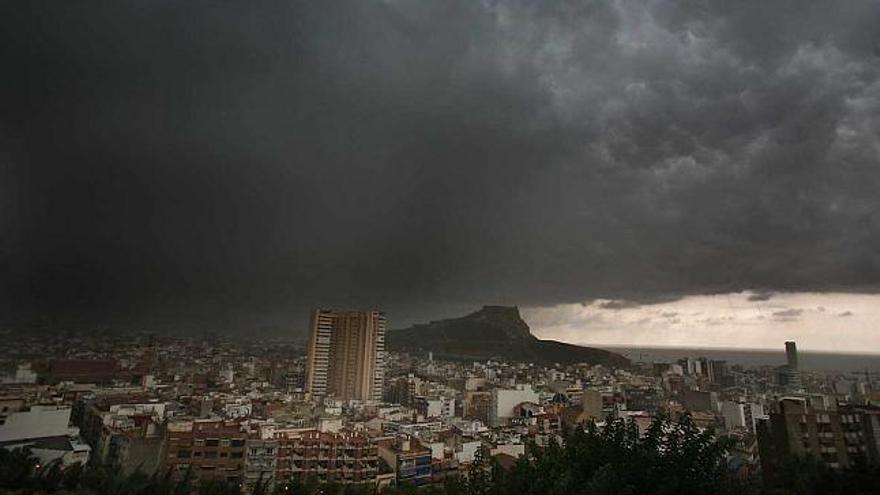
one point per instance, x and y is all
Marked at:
(260, 465)
(410, 460)
(839, 437)
(210, 449)
(346, 354)
(343, 457)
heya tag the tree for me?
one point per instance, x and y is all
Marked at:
(17, 468)
(671, 458)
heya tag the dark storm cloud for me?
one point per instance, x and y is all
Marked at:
(233, 163)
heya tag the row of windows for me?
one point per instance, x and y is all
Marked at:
(217, 442)
(208, 454)
(268, 451)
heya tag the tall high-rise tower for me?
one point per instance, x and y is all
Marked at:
(791, 354)
(790, 375)
(346, 354)
(318, 361)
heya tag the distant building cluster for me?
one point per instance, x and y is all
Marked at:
(342, 409)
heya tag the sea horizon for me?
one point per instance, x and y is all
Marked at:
(810, 360)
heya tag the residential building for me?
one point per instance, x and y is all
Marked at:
(741, 415)
(643, 399)
(46, 432)
(346, 354)
(212, 449)
(503, 402)
(260, 465)
(435, 407)
(799, 428)
(344, 457)
(410, 460)
(592, 405)
(699, 400)
(38, 422)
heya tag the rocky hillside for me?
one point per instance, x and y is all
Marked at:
(494, 332)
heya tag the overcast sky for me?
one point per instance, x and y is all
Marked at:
(232, 164)
(757, 320)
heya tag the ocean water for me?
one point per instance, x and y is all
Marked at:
(808, 360)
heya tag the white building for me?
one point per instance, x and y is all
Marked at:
(39, 422)
(511, 449)
(741, 414)
(467, 451)
(332, 424)
(67, 451)
(23, 374)
(46, 431)
(228, 375)
(504, 400)
(436, 407)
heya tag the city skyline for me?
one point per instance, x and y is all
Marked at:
(450, 247)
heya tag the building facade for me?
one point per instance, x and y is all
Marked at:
(207, 449)
(260, 465)
(318, 359)
(325, 457)
(411, 461)
(839, 437)
(503, 402)
(346, 354)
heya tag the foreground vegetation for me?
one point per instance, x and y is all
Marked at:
(672, 458)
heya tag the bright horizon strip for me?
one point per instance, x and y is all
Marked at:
(820, 322)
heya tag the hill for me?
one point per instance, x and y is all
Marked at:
(494, 332)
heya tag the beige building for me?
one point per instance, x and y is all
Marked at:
(346, 354)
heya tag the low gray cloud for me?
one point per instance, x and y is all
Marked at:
(618, 304)
(761, 296)
(188, 164)
(788, 314)
(845, 314)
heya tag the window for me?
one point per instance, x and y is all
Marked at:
(184, 454)
(238, 442)
(211, 454)
(212, 442)
(224, 442)
(236, 455)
